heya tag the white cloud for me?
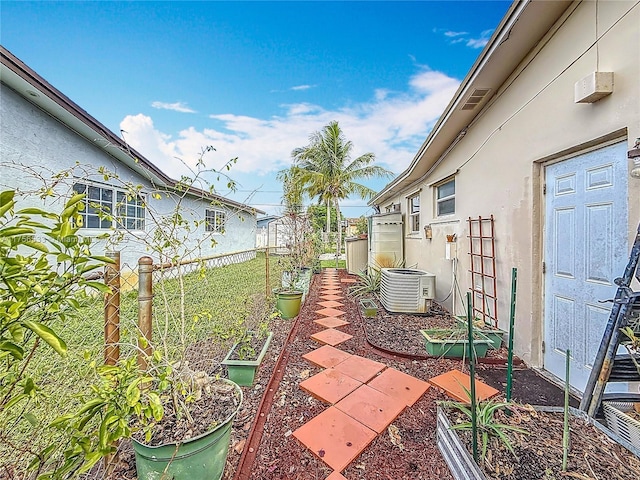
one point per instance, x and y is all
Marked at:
(464, 37)
(480, 42)
(391, 124)
(449, 33)
(302, 87)
(176, 107)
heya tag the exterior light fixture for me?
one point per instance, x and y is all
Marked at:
(428, 232)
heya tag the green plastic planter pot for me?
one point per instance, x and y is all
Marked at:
(243, 372)
(369, 307)
(288, 302)
(200, 458)
(494, 335)
(438, 345)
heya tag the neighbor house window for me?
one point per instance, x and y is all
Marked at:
(98, 205)
(130, 211)
(446, 198)
(100, 210)
(215, 220)
(414, 212)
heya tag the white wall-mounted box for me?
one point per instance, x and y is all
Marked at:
(593, 87)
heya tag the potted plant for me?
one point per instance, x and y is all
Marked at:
(369, 307)
(246, 355)
(178, 415)
(452, 342)
(244, 358)
(494, 334)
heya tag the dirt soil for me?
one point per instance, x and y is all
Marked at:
(538, 452)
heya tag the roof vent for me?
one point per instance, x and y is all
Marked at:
(475, 98)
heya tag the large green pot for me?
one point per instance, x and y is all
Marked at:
(199, 458)
(288, 303)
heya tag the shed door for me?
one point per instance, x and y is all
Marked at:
(586, 247)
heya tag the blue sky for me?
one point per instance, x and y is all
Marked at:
(255, 79)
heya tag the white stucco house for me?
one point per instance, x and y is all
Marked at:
(43, 132)
(541, 135)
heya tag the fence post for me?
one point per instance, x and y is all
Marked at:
(266, 256)
(112, 310)
(145, 302)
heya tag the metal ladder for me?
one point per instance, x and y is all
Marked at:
(609, 366)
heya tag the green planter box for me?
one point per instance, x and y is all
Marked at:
(369, 307)
(438, 344)
(243, 372)
(495, 335)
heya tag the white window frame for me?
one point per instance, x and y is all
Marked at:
(440, 200)
(215, 221)
(413, 212)
(111, 206)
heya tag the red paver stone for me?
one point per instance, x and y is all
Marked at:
(326, 356)
(330, 312)
(329, 385)
(331, 296)
(349, 280)
(330, 291)
(371, 407)
(453, 383)
(397, 384)
(330, 303)
(331, 322)
(336, 476)
(360, 368)
(335, 437)
(331, 336)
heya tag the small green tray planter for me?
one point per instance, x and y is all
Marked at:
(494, 334)
(369, 307)
(243, 372)
(445, 343)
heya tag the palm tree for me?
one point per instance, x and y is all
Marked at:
(324, 170)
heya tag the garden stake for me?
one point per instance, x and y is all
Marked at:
(565, 432)
(512, 319)
(472, 375)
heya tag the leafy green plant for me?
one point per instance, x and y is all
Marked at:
(487, 423)
(43, 281)
(368, 283)
(123, 400)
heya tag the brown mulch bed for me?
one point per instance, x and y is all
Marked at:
(411, 454)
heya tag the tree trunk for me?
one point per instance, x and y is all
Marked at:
(339, 243)
(328, 219)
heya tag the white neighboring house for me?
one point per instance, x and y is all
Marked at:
(43, 132)
(532, 139)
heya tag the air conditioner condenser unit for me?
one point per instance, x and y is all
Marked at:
(407, 290)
